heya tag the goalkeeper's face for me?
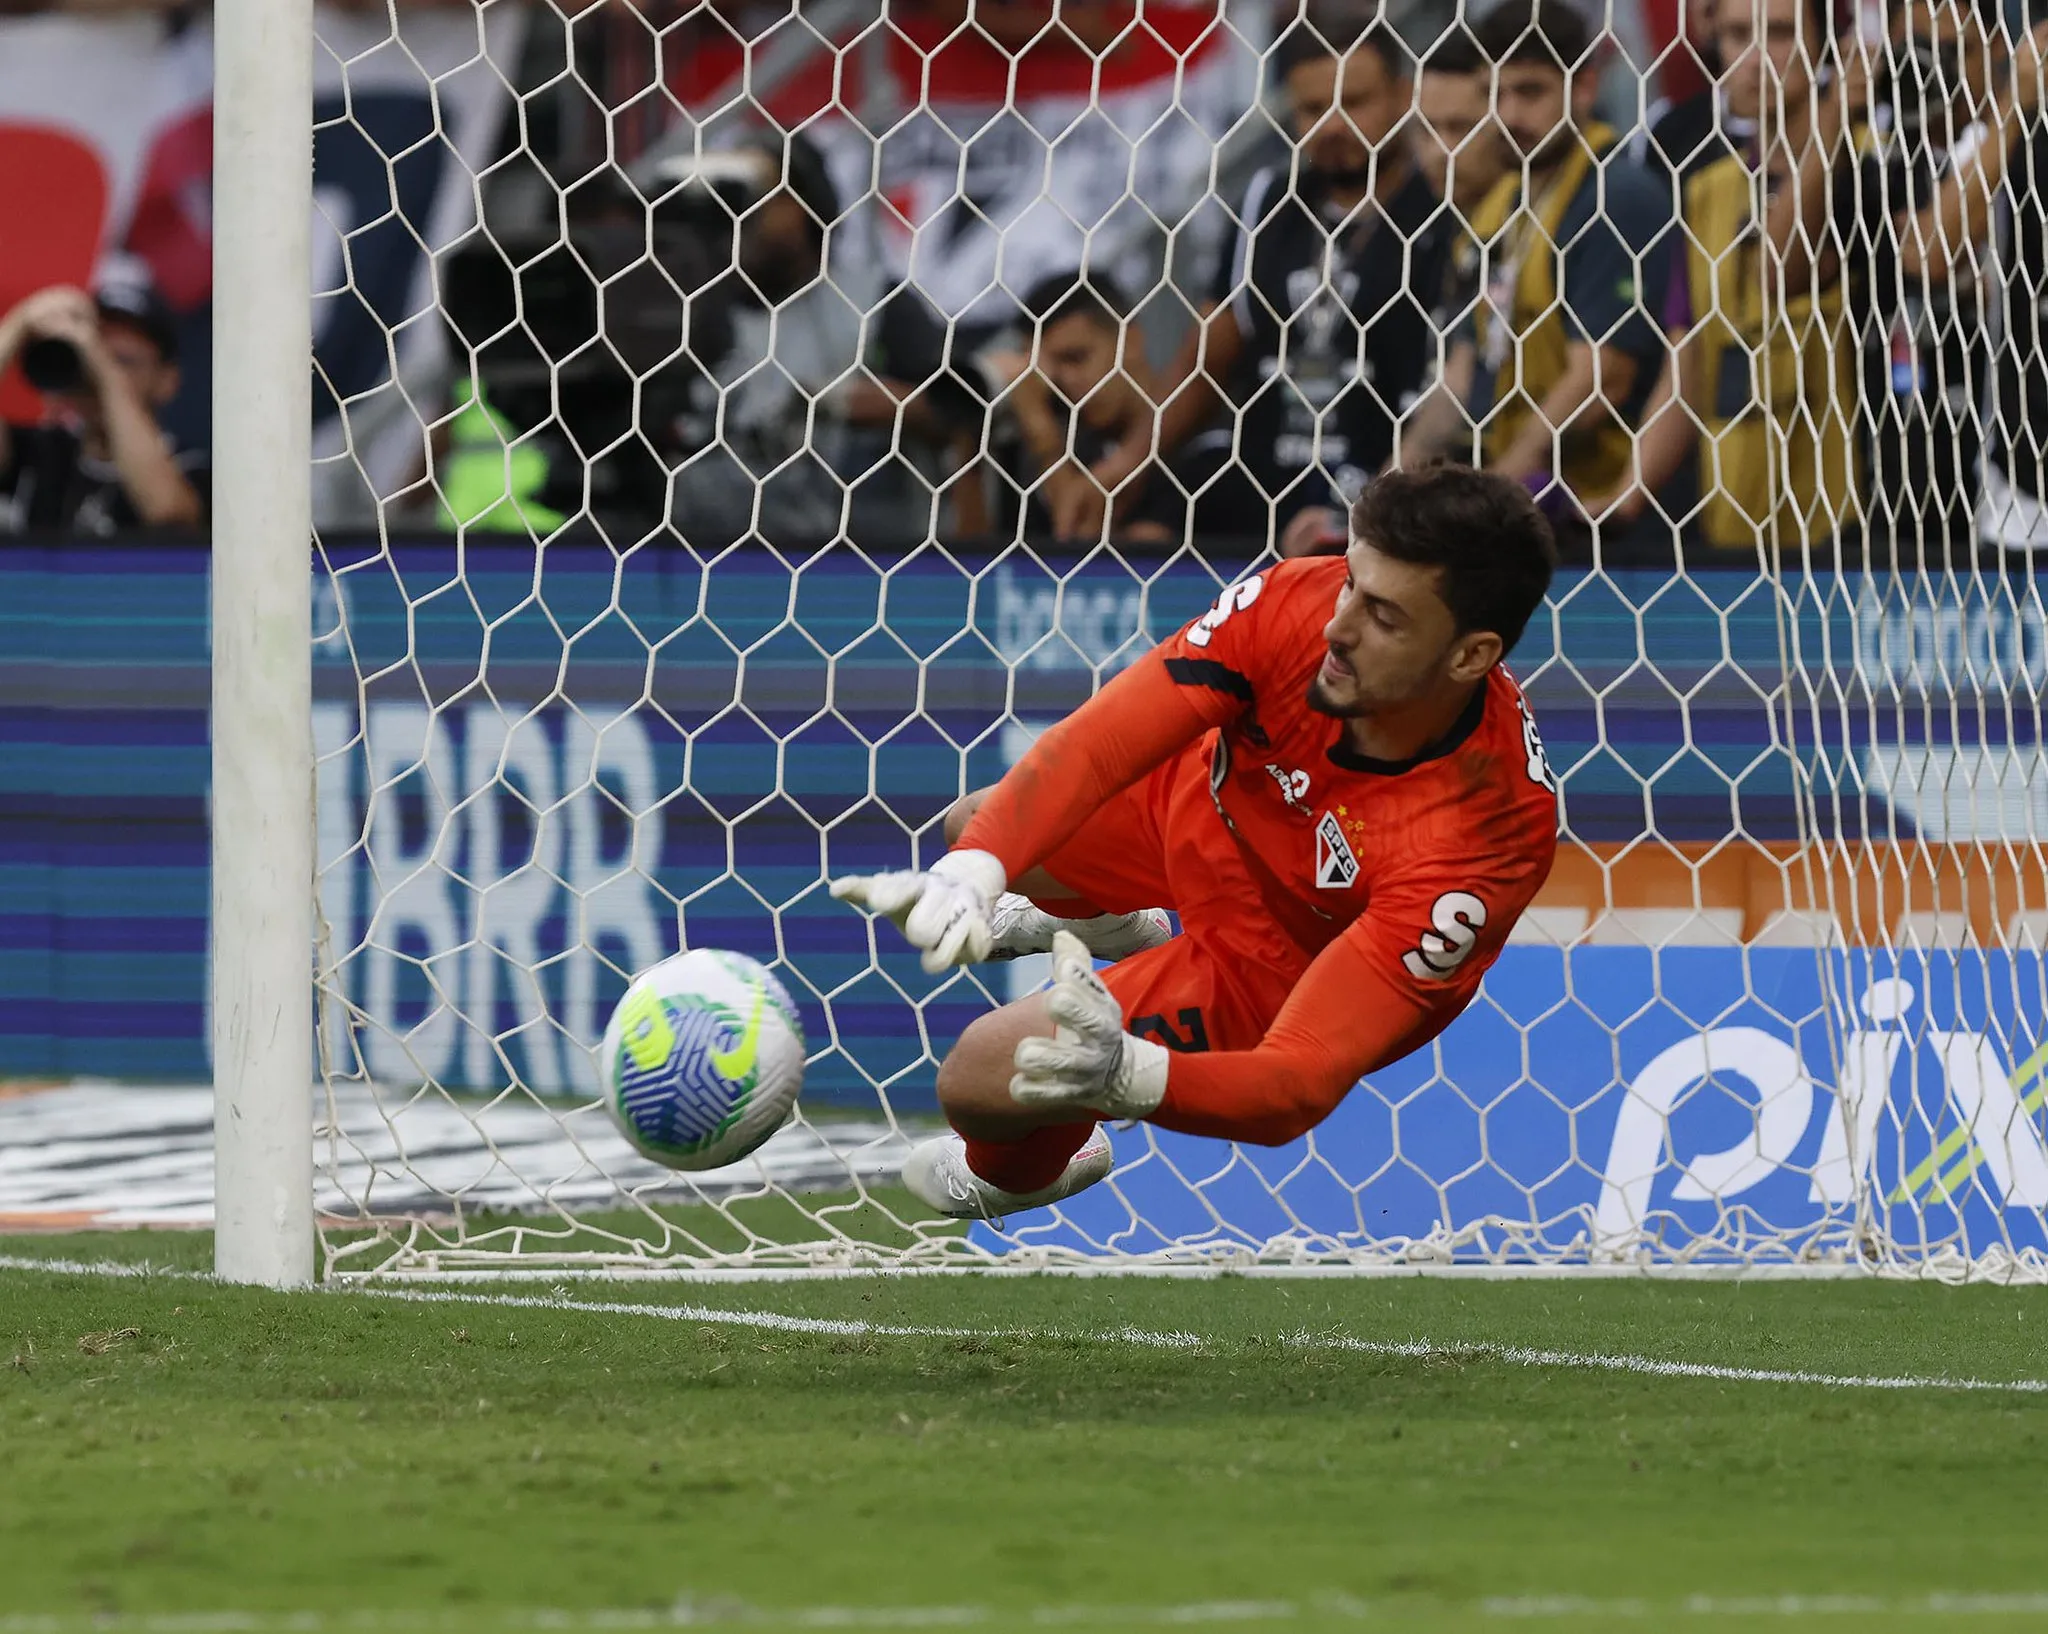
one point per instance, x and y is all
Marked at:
(1392, 641)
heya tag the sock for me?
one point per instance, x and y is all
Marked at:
(1028, 1164)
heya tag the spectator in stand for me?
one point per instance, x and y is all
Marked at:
(1461, 150)
(1568, 243)
(99, 463)
(1002, 141)
(1083, 389)
(1914, 217)
(1677, 138)
(1778, 470)
(1674, 142)
(1317, 333)
(826, 398)
(1458, 147)
(2012, 511)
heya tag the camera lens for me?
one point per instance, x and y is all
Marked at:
(52, 365)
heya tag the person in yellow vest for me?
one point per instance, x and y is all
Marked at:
(1934, 219)
(1765, 389)
(489, 478)
(1569, 244)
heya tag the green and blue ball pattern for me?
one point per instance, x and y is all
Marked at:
(703, 1059)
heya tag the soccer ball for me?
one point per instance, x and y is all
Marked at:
(702, 1060)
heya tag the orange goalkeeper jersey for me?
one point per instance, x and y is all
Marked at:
(1398, 882)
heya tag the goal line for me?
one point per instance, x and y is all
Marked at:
(1179, 1341)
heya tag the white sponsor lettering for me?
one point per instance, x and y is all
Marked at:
(1868, 1057)
(1954, 794)
(1538, 765)
(1293, 785)
(2005, 1158)
(1938, 644)
(477, 866)
(1041, 626)
(1642, 1133)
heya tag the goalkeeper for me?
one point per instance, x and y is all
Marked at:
(1332, 781)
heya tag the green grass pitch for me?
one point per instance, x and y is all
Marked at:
(182, 1457)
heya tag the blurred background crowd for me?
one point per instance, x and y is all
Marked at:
(1713, 277)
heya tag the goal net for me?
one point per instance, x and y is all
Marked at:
(717, 474)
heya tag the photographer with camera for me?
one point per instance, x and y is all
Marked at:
(99, 463)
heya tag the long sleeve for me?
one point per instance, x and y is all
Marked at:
(1344, 1019)
(1111, 741)
(1402, 972)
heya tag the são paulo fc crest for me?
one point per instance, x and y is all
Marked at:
(1336, 867)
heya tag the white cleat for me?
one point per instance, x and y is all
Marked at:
(937, 1175)
(1021, 927)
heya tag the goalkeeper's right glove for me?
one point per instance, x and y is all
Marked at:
(1090, 1063)
(942, 911)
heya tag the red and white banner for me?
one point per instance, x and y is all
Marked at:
(993, 163)
(80, 103)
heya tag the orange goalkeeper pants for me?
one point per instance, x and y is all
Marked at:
(1161, 844)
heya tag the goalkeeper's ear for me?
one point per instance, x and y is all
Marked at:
(1476, 653)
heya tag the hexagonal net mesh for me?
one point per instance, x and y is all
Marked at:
(744, 426)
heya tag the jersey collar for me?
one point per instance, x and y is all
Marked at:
(1342, 754)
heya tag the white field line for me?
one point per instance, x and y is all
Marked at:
(837, 1327)
(1420, 1349)
(97, 1268)
(1320, 1610)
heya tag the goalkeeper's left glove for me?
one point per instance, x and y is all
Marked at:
(1090, 1064)
(943, 911)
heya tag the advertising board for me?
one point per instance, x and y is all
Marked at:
(1622, 1103)
(539, 775)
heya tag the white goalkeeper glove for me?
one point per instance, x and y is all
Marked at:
(942, 911)
(1090, 1063)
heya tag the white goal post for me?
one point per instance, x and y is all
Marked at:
(693, 511)
(262, 1009)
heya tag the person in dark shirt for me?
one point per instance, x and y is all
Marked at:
(1316, 333)
(1920, 330)
(1461, 149)
(99, 463)
(1081, 390)
(826, 397)
(1572, 250)
(2012, 509)
(1678, 138)
(1457, 145)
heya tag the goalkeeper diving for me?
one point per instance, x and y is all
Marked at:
(1335, 784)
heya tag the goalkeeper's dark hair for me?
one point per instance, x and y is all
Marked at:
(1492, 548)
(1545, 33)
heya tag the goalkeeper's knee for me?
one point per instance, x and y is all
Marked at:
(974, 1078)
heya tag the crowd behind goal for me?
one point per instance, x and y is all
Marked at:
(1767, 281)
